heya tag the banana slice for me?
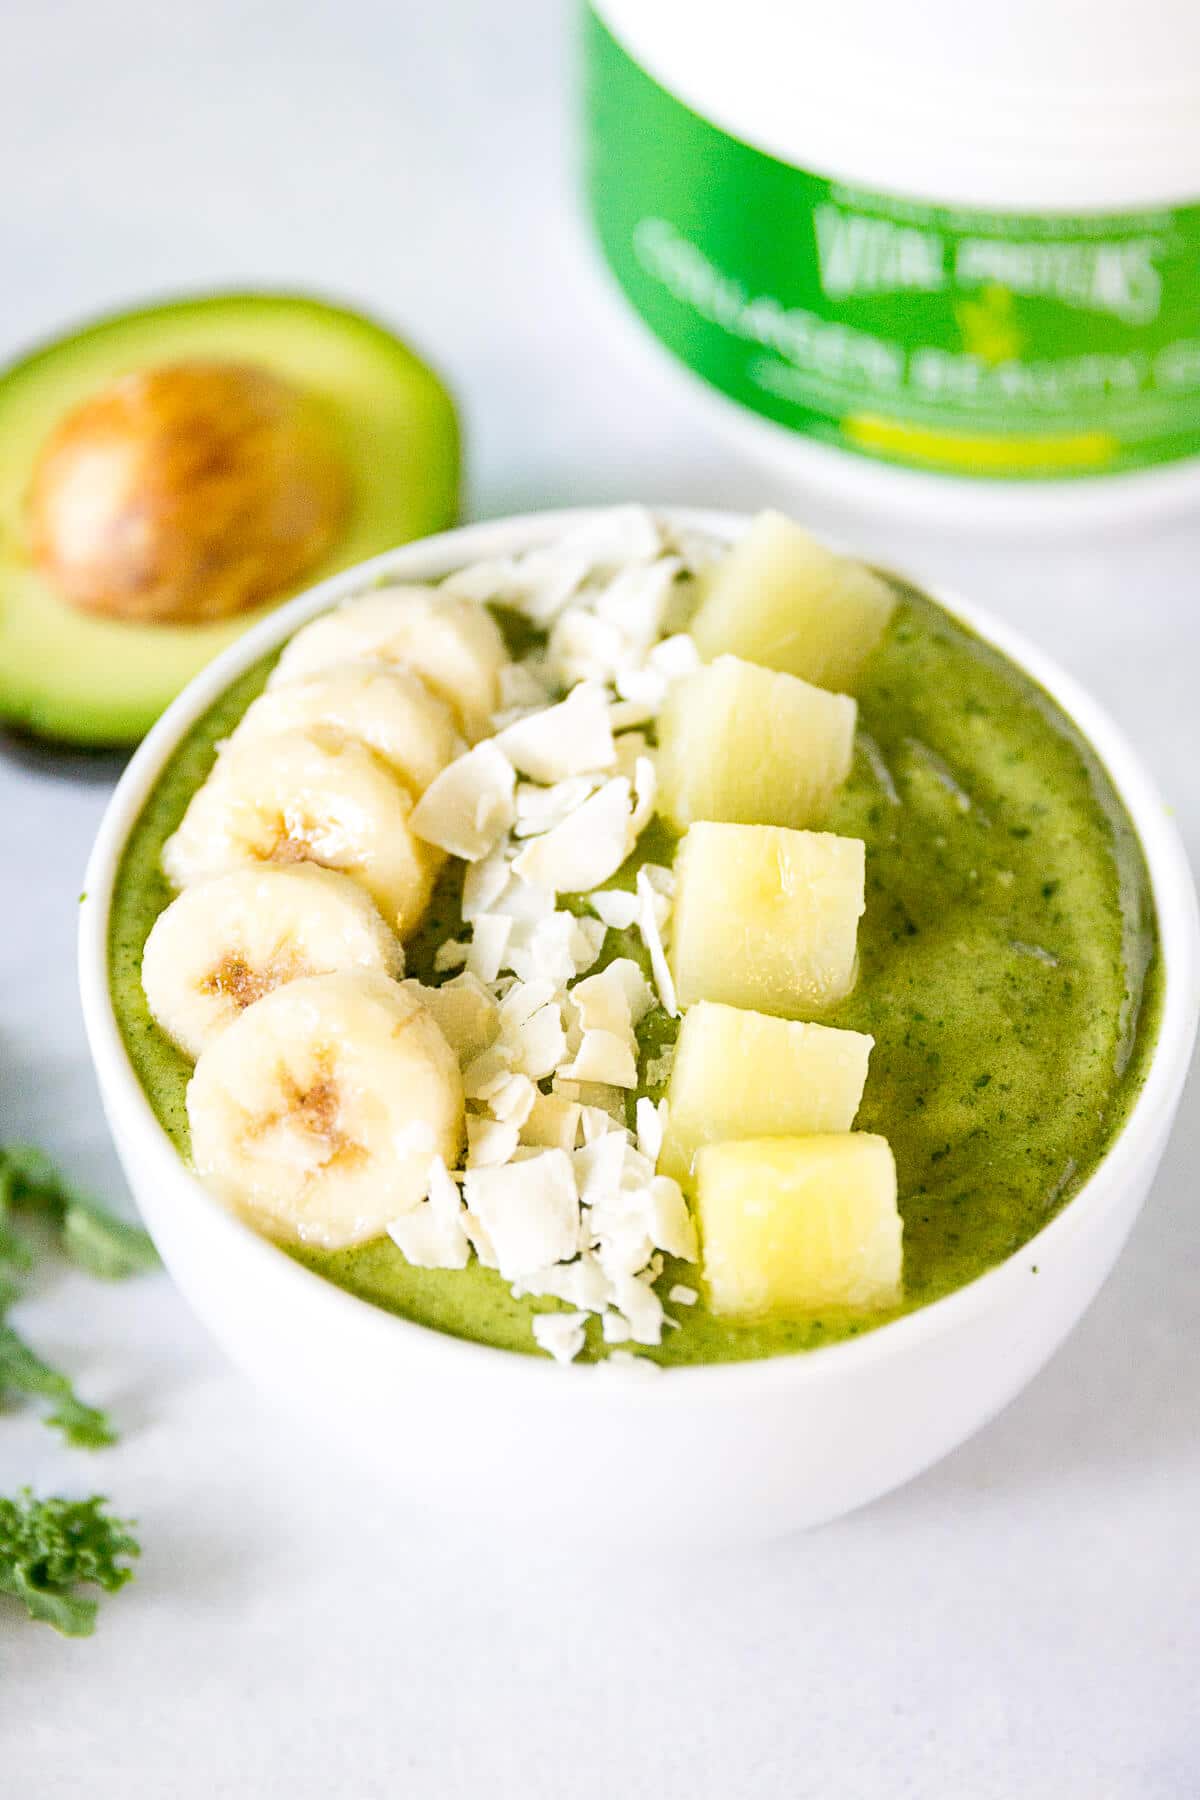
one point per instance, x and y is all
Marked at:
(452, 643)
(317, 1114)
(225, 943)
(389, 709)
(300, 797)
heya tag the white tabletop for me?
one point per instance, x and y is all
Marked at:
(1025, 1619)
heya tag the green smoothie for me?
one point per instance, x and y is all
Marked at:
(1009, 975)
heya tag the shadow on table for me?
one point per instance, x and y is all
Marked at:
(1120, 1394)
(66, 762)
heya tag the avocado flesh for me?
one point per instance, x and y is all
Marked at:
(85, 680)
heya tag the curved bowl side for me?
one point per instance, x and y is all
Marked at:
(697, 1454)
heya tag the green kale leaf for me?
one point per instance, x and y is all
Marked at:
(22, 1371)
(94, 1239)
(50, 1548)
(87, 1232)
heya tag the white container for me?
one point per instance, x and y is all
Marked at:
(725, 1452)
(935, 259)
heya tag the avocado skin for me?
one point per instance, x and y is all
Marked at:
(88, 681)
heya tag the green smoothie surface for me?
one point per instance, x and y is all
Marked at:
(1008, 972)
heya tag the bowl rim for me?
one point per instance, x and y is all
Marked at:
(430, 558)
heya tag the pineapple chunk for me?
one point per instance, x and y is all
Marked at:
(746, 744)
(790, 1225)
(746, 1075)
(766, 918)
(782, 599)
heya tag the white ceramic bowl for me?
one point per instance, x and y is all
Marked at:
(701, 1454)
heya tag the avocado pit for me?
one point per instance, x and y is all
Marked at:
(185, 493)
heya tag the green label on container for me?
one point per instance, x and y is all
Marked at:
(999, 345)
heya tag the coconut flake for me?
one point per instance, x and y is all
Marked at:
(561, 1334)
(672, 1228)
(581, 1283)
(524, 902)
(529, 1211)
(488, 1089)
(637, 989)
(623, 714)
(495, 578)
(584, 648)
(490, 1142)
(571, 739)
(553, 1122)
(636, 599)
(450, 955)
(637, 1172)
(587, 848)
(540, 1044)
(674, 657)
(483, 884)
(641, 1306)
(432, 1236)
(556, 949)
(549, 578)
(682, 1295)
(646, 687)
(614, 907)
(598, 1167)
(469, 806)
(522, 1001)
(604, 1056)
(486, 1073)
(463, 1010)
(594, 1097)
(629, 746)
(540, 953)
(648, 925)
(538, 583)
(661, 879)
(624, 1365)
(697, 550)
(619, 1224)
(597, 1121)
(540, 809)
(513, 1099)
(645, 792)
(585, 1226)
(489, 940)
(651, 1125)
(619, 535)
(479, 1240)
(614, 1000)
(586, 942)
(521, 686)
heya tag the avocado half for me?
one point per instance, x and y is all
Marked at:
(81, 678)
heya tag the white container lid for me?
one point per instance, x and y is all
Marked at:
(1025, 105)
